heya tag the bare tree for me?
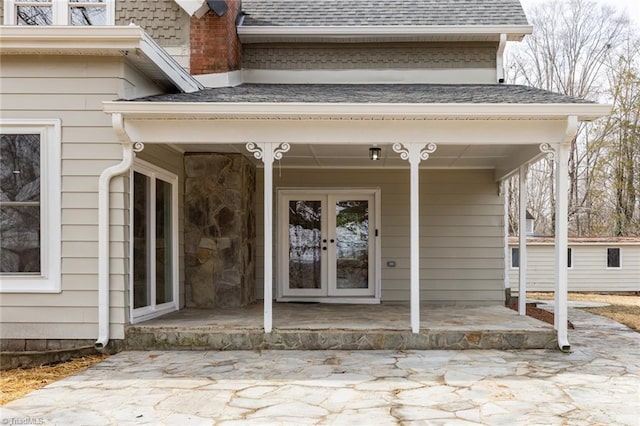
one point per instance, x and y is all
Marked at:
(622, 139)
(568, 53)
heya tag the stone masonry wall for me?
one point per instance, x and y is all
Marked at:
(220, 232)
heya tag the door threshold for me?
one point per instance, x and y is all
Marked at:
(343, 300)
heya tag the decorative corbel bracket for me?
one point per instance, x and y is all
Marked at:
(267, 152)
(549, 150)
(414, 152)
(138, 147)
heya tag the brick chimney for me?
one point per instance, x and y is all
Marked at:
(215, 47)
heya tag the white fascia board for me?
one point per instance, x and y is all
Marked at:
(456, 32)
(24, 39)
(584, 112)
(98, 40)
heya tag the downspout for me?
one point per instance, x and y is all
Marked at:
(103, 228)
(500, 59)
(561, 238)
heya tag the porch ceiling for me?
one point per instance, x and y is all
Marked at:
(357, 156)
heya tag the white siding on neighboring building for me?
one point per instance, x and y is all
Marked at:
(461, 230)
(72, 88)
(589, 270)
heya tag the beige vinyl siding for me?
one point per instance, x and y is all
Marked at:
(589, 271)
(461, 230)
(72, 88)
(171, 160)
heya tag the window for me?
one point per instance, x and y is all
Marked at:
(59, 12)
(30, 205)
(613, 258)
(515, 257)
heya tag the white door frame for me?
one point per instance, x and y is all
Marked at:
(154, 172)
(328, 294)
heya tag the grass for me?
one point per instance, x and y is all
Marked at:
(18, 382)
(622, 308)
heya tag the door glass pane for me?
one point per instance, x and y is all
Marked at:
(352, 244)
(305, 244)
(164, 266)
(141, 294)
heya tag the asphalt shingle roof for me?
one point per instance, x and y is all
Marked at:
(371, 93)
(286, 13)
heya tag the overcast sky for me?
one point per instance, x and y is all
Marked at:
(632, 6)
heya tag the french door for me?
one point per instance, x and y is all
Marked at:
(154, 241)
(328, 245)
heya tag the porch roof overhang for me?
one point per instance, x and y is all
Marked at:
(510, 133)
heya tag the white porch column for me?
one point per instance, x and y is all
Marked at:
(267, 152)
(522, 235)
(507, 260)
(561, 155)
(415, 153)
(562, 212)
(561, 224)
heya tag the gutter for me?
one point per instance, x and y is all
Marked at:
(104, 257)
(459, 32)
(273, 110)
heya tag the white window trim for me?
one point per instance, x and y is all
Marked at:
(60, 12)
(50, 223)
(606, 258)
(153, 311)
(511, 258)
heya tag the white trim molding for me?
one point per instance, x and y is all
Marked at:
(49, 280)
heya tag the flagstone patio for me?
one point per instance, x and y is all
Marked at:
(341, 326)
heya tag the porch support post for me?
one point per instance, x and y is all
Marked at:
(561, 156)
(507, 260)
(415, 153)
(522, 234)
(267, 152)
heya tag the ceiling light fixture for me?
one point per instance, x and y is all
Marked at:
(375, 153)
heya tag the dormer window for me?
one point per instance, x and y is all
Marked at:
(59, 12)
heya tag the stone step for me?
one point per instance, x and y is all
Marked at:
(202, 338)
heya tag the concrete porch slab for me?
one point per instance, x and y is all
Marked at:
(334, 326)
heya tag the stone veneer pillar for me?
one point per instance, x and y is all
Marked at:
(220, 232)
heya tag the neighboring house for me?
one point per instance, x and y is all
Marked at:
(265, 188)
(595, 264)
